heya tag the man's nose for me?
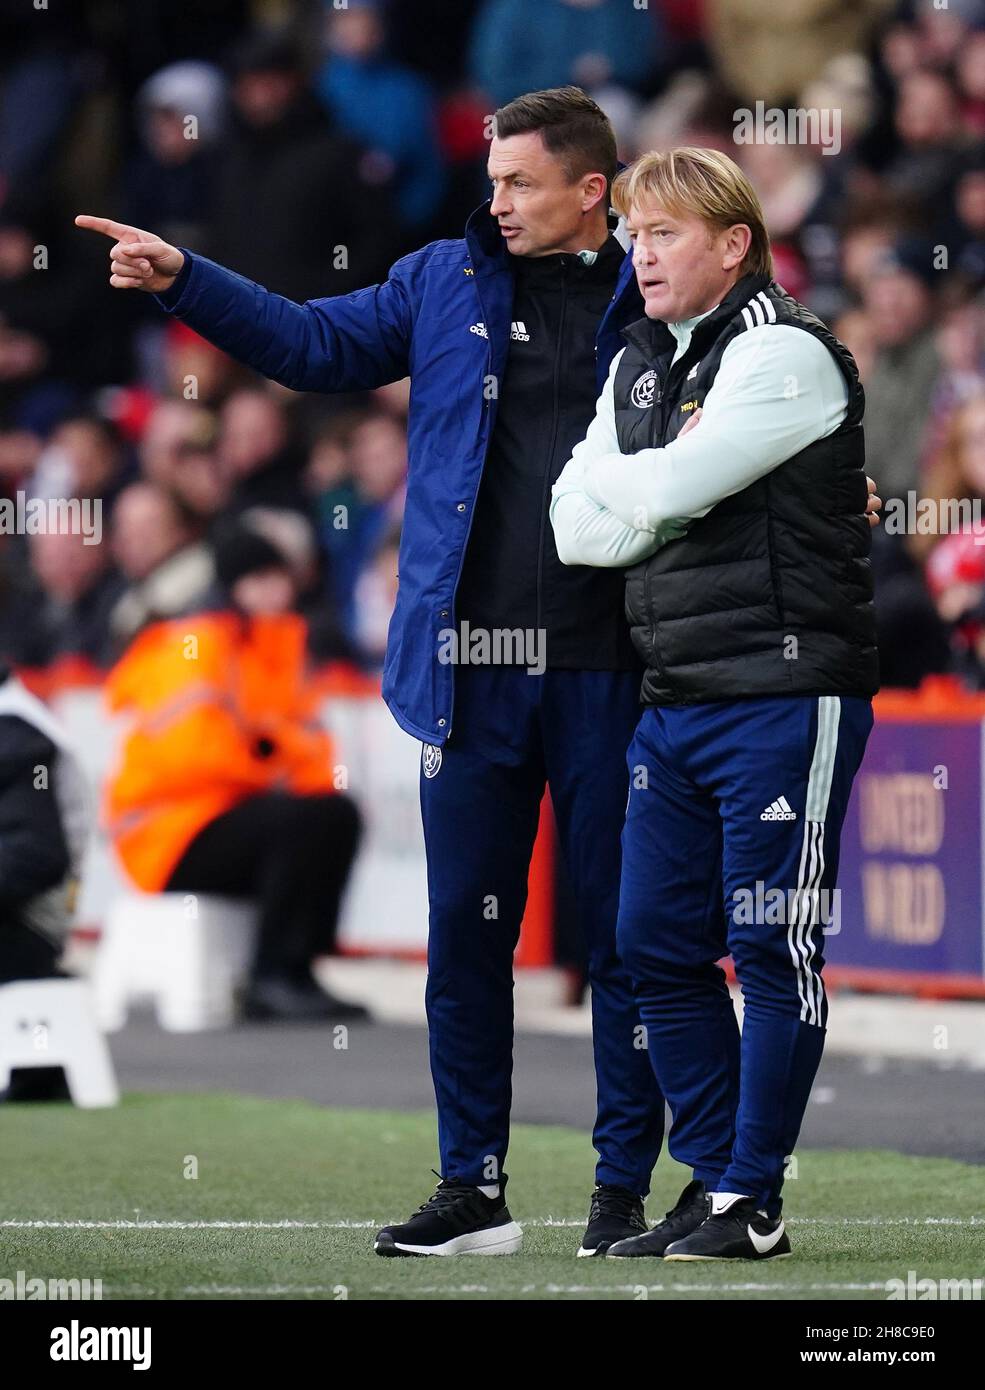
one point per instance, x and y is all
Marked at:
(642, 255)
(500, 203)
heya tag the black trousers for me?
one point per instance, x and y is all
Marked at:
(290, 853)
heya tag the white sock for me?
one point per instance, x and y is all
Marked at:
(490, 1189)
(721, 1201)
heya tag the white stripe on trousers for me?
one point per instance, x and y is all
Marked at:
(803, 920)
(806, 903)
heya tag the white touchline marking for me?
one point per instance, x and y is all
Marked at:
(416, 1289)
(703, 1288)
(537, 1222)
(884, 1220)
(634, 1288)
(124, 1225)
(268, 1289)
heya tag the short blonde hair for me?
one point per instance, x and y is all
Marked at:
(706, 184)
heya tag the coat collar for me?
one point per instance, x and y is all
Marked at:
(487, 248)
(654, 338)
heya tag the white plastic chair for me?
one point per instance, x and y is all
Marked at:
(52, 1023)
(188, 952)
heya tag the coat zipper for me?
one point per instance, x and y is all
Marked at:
(655, 444)
(550, 451)
(487, 419)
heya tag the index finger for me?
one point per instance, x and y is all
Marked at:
(101, 224)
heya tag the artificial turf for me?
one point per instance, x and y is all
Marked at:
(856, 1218)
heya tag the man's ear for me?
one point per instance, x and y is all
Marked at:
(594, 189)
(738, 239)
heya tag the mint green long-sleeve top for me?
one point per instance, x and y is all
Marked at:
(777, 390)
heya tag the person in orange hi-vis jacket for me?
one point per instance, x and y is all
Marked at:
(226, 781)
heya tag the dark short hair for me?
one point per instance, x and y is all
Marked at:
(574, 129)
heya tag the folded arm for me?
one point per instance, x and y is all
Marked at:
(777, 389)
(585, 531)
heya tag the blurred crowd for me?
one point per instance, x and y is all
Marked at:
(309, 144)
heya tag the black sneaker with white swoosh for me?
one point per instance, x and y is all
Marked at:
(742, 1231)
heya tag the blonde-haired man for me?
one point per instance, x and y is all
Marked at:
(724, 467)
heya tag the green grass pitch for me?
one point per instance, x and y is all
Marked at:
(856, 1218)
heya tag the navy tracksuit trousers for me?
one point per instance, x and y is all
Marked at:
(730, 802)
(480, 801)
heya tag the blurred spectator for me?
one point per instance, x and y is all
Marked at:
(44, 826)
(374, 597)
(83, 457)
(293, 537)
(960, 341)
(966, 236)
(899, 299)
(789, 181)
(192, 368)
(764, 58)
(932, 144)
(943, 29)
(900, 50)
(158, 549)
(39, 84)
(260, 464)
(66, 610)
(329, 481)
(28, 315)
(958, 471)
(854, 329)
(913, 640)
(970, 75)
(956, 576)
(868, 235)
(384, 104)
(300, 208)
(590, 43)
(170, 182)
(20, 450)
(226, 783)
(362, 502)
(921, 632)
(692, 110)
(50, 302)
(846, 85)
(177, 453)
(961, 470)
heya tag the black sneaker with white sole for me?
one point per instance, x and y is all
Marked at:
(457, 1220)
(614, 1214)
(692, 1208)
(742, 1231)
